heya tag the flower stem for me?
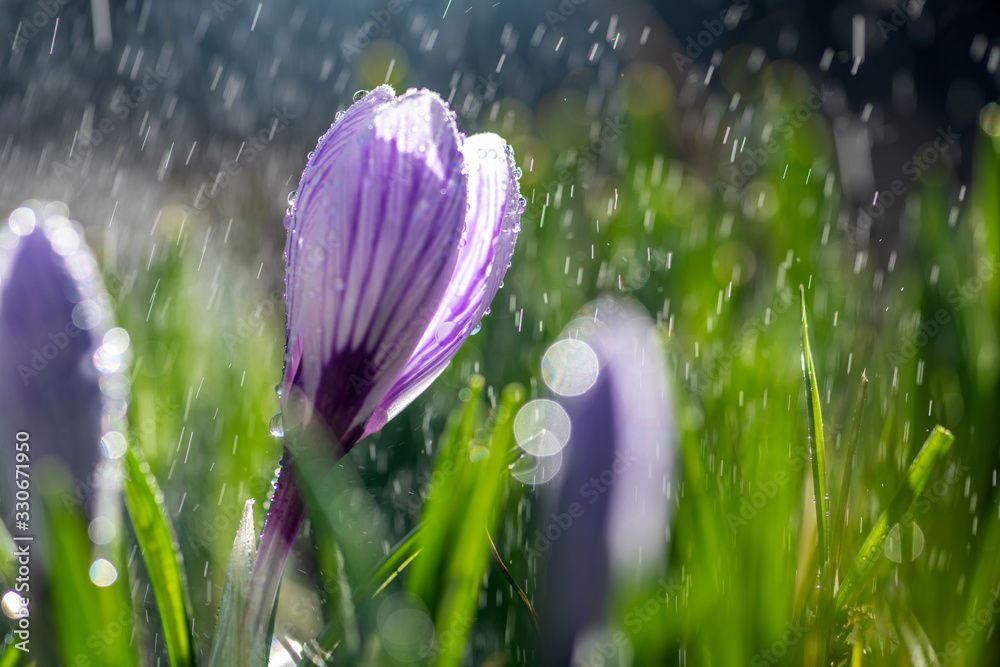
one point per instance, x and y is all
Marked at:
(280, 527)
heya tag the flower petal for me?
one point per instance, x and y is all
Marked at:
(373, 237)
(492, 224)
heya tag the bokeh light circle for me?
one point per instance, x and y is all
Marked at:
(570, 367)
(542, 427)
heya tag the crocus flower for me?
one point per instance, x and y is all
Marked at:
(63, 384)
(54, 316)
(398, 239)
(612, 507)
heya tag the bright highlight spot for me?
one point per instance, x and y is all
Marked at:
(535, 470)
(114, 444)
(101, 531)
(570, 367)
(103, 573)
(22, 221)
(542, 427)
(13, 605)
(894, 543)
(116, 340)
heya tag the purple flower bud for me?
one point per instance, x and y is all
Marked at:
(399, 236)
(63, 385)
(610, 520)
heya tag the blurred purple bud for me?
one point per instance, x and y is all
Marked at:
(612, 504)
(63, 385)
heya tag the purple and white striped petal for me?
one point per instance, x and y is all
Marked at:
(381, 204)
(491, 226)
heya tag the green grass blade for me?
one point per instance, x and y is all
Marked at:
(840, 515)
(441, 514)
(82, 611)
(816, 445)
(14, 657)
(469, 553)
(344, 514)
(231, 645)
(162, 556)
(395, 562)
(510, 579)
(930, 454)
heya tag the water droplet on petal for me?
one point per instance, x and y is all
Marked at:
(277, 426)
(443, 331)
(358, 96)
(476, 329)
(279, 389)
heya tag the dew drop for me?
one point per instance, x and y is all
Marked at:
(291, 197)
(358, 96)
(277, 426)
(443, 331)
(279, 389)
(476, 329)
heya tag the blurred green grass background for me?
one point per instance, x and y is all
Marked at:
(657, 216)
